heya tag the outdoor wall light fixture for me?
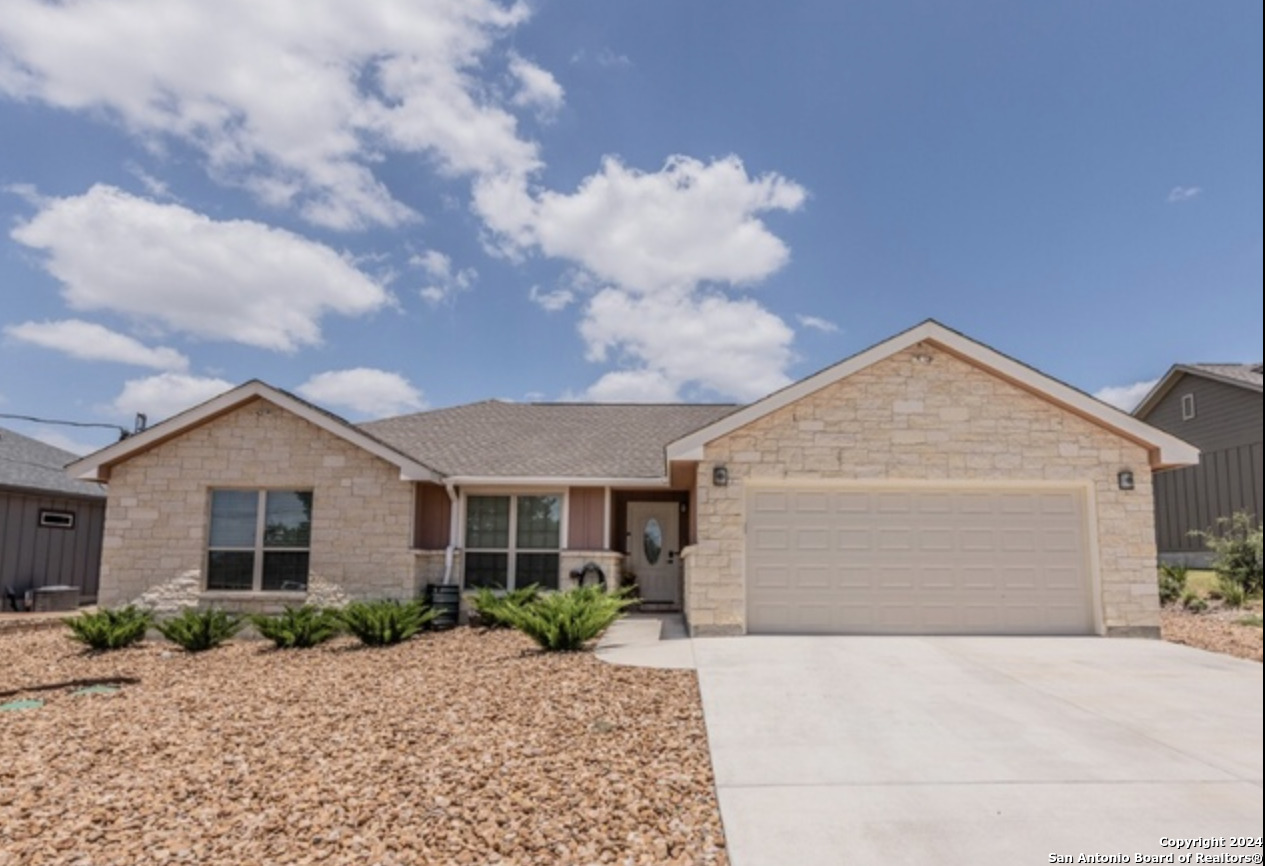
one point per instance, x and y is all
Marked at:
(1124, 478)
(720, 476)
(922, 358)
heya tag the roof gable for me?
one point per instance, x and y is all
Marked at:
(1246, 376)
(29, 464)
(96, 466)
(1164, 449)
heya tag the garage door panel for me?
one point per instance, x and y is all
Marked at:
(918, 561)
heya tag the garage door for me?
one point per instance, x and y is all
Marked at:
(926, 561)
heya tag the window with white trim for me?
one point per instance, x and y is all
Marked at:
(52, 518)
(1188, 406)
(513, 540)
(260, 540)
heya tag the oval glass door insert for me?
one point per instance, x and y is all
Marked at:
(652, 541)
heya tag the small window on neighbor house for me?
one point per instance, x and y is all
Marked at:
(259, 540)
(57, 519)
(1188, 406)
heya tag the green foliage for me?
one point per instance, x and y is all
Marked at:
(1193, 602)
(382, 623)
(1231, 593)
(494, 608)
(1236, 546)
(566, 621)
(110, 629)
(201, 630)
(1252, 619)
(1172, 581)
(298, 627)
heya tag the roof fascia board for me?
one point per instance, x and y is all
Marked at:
(92, 467)
(551, 481)
(1164, 449)
(1173, 376)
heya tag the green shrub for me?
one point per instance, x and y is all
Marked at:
(1236, 546)
(494, 607)
(201, 630)
(298, 627)
(110, 629)
(1230, 592)
(1252, 619)
(566, 621)
(1172, 581)
(1193, 602)
(382, 623)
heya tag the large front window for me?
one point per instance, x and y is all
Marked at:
(259, 540)
(513, 541)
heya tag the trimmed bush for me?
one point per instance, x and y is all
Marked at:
(110, 629)
(201, 630)
(1172, 581)
(1192, 602)
(566, 621)
(298, 627)
(1230, 592)
(382, 623)
(1236, 546)
(494, 607)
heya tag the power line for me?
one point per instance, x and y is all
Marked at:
(123, 431)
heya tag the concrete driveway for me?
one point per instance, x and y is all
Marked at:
(892, 750)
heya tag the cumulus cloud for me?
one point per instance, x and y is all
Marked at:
(1126, 397)
(294, 100)
(444, 281)
(234, 280)
(89, 341)
(363, 390)
(537, 88)
(1179, 194)
(553, 300)
(816, 323)
(166, 394)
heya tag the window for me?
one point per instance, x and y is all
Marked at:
(57, 519)
(1188, 406)
(260, 540)
(513, 541)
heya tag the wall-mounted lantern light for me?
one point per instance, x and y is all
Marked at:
(720, 476)
(1124, 479)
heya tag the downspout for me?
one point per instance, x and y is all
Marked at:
(453, 516)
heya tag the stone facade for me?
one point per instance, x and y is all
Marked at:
(944, 420)
(157, 517)
(610, 561)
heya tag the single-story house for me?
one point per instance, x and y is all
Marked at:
(1217, 408)
(928, 484)
(50, 524)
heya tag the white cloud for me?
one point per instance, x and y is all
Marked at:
(537, 88)
(734, 348)
(551, 301)
(363, 390)
(155, 187)
(605, 57)
(292, 99)
(89, 341)
(1179, 194)
(816, 323)
(234, 280)
(445, 282)
(166, 394)
(1126, 397)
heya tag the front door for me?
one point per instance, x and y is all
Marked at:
(654, 550)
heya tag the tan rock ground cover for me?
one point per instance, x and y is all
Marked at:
(1217, 630)
(461, 747)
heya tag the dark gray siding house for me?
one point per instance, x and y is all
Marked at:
(1217, 408)
(50, 524)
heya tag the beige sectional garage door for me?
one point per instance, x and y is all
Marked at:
(917, 561)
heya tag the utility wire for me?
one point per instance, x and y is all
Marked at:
(122, 430)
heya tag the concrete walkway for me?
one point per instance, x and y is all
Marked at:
(648, 640)
(904, 750)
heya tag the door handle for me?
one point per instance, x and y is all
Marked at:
(671, 557)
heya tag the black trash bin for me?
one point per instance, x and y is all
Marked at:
(445, 599)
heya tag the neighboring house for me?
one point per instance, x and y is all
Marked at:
(50, 525)
(926, 485)
(1217, 408)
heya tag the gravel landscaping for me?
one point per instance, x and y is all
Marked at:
(1218, 630)
(461, 747)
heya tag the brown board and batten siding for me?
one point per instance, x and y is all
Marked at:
(586, 518)
(432, 517)
(33, 556)
(1226, 427)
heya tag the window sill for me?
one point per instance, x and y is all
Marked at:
(237, 594)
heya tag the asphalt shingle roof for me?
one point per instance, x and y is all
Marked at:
(33, 465)
(568, 440)
(1249, 374)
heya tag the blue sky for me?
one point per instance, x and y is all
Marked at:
(392, 205)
